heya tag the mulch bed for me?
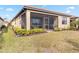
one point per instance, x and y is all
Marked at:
(30, 34)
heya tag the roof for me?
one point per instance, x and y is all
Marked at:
(41, 10)
(45, 10)
(2, 19)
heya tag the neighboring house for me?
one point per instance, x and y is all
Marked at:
(1, 22)
(30, 17)
(6, 23)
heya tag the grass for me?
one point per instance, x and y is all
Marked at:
(62, 41)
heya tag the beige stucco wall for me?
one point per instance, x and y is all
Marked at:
(63, 26)
(28, 20)
(6, 24)
(13, 23)
(17, 22)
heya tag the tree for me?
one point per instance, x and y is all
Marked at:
(77, 24)
(73, 25)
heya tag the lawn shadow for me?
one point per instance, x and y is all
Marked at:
(74, 44)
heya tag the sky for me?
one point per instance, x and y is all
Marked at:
(9, 11)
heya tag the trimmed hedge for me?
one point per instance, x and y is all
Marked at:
(19, 31)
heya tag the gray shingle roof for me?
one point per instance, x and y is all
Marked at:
(41, 10)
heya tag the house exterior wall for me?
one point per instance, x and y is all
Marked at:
(6, 24)
(63, 26)
(55, 22)
(13, 23)
(28, 20)
(58, 22)
(17, 22)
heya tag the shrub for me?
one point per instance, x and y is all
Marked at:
(28, 32)
(72, 28)
(73, 25)
(17, 30)
(20, 31)
(23, 31)
(4, 28)
(57, 29)
(37, 30)
(66, 28)
(77, 24)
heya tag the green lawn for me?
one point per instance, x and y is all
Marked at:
(62, 41)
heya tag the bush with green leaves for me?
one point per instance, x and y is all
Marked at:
(57, 29)
(73, 25)
(20, 31)
(37, 30)
(17, 30)
(28, 32)
(77, 24)
(4, 28)
(72, 28)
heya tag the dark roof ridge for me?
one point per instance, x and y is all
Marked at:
(1, 18)
(37, 8)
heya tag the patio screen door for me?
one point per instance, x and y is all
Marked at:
(48, 23)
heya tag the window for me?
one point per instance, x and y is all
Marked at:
(36, 23)
(64, 20)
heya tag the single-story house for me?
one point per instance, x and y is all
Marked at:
(31, 17)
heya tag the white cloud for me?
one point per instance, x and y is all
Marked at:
(9, 9)
(7, 15)
(68, 11)
(71, 8)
